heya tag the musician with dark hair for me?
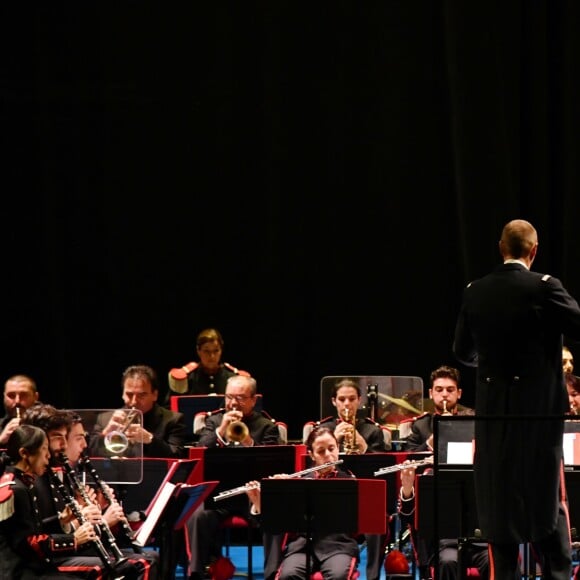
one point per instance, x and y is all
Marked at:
(27, 551)
(336, 555)
(63, 506)
(163, 432)
(209, 375)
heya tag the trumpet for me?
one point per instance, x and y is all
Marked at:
(244, 488)
(236, 432)
(445, 411)
(116, 441)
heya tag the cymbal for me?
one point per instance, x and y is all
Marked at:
(401, 403)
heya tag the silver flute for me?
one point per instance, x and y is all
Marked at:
(244, 488)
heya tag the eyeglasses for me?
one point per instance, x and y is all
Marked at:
(238, 398)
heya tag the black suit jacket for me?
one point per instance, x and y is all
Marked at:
(511, 325)
(169, 431)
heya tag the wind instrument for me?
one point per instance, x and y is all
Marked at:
(75, 508)
(77, 485)
(445, 411)
(87, 466)
(116, 441)
(349, 442)
(18, 412)
(400, 466)
(245, 488)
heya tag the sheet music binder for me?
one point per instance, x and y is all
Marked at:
(173, 502)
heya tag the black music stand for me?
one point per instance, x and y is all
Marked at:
(309, 506)
(169, 512)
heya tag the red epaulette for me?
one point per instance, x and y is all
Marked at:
(237, 371)
(6, 496)
(181, 373)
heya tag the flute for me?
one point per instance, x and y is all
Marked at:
(244, 488)
(401, 466)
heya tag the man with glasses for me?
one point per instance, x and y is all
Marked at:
(221, 429)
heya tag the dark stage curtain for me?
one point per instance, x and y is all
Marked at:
(317, 180)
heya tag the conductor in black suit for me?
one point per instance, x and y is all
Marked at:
(511, 326)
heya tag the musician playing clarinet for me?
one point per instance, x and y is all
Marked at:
(336, 555)
(62, 509)
(146, 562)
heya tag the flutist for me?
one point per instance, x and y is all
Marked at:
(335, 554)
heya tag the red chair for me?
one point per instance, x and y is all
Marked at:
(239, 522)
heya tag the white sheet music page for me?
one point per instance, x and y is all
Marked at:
(149, 524)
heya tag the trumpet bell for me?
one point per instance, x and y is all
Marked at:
(116, 442)
(236, 432)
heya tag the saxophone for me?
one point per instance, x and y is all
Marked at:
(349, 445)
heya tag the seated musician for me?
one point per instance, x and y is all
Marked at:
(445, 391)
(237, 424)
(357, 435)
(206, 377)
(336, 555)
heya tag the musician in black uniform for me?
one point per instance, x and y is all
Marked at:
(445, 392)
(209, 375)
(54, 508)
(163, 432)
(238, 423)
(335, 554)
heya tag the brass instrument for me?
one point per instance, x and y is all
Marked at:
(117, 441)
(87, 466)
(349, 445)
(244, 488)
(18, 412)
(400, 466)
(236, 432)
(104, 528)
(445, 411)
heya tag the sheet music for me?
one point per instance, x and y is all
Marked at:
(149, 524)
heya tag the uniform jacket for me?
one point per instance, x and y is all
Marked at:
(262, 429)
(510, 326)
(168, 428)
(422, 429)
(326, 544)
(26, 550)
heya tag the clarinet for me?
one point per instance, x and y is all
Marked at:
(86, 465)
(103, 526)
(71, 502)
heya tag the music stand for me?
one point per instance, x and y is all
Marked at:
(309, 506)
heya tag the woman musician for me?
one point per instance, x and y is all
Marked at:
(336, 555)
(26, 551)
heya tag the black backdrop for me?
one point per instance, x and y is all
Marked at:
(317, 180)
